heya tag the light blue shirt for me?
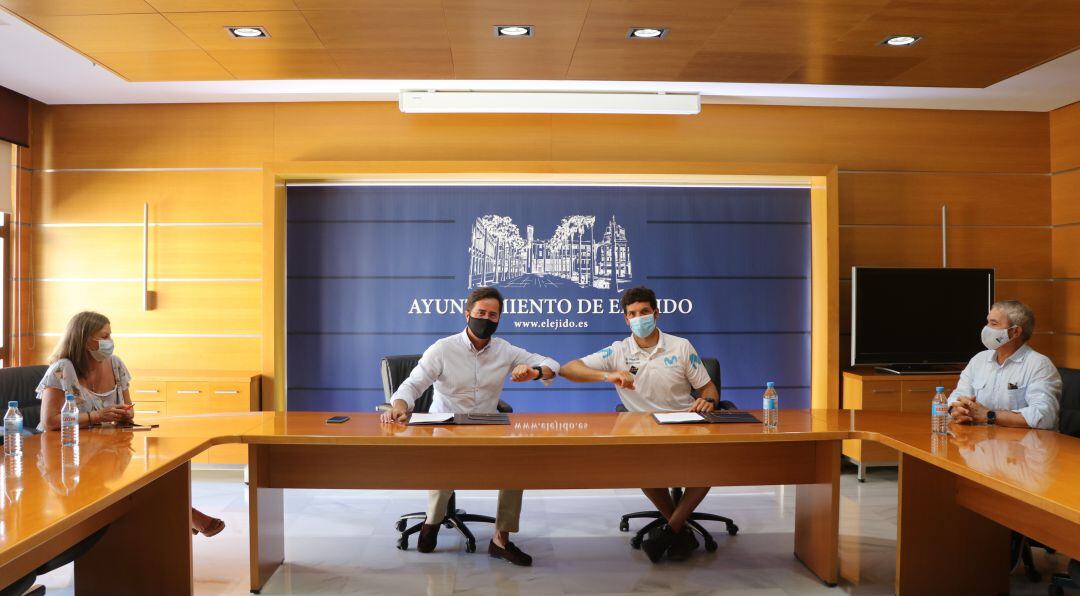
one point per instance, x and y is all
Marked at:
(1026, 383)
(466, 380)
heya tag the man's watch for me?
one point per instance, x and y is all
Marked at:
(539, 373)
(991, 417)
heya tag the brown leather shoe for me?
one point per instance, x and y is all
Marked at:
(511, 553)
(429, 537)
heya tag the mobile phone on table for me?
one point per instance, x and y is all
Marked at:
(337, 419)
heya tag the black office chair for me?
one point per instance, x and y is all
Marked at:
(395, 369)
(1069, 423)
(1020, 546)
(18, 384)
(712, 366)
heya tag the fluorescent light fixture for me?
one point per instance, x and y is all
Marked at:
(646, 32)
(900, 40)
(248, 32)
(547, 102)
(513, 30)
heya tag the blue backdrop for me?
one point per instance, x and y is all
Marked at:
(378, 270)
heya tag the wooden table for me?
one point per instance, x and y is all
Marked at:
(957, 494)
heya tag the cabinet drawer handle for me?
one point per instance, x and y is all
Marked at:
(920, 391)
(883, 390)
(226, 392)
(147, 411)
(188, 392)
(146, 391)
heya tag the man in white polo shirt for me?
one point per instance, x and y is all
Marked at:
(1009, 384)
(468, 370)
(654, 372)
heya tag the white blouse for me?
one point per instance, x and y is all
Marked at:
(61, 375)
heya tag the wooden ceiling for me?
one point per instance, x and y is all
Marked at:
(966, 43)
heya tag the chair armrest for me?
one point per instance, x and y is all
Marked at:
(727, 405)
(504, 407)
(621, 408)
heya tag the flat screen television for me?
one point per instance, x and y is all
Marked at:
(918, 316)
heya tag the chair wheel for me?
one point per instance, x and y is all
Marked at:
(710, 546)
(470, 546)
(1055, 590)
(403, 544)
(635, 543)
(400, 525)
(624, 526)
(732, 529)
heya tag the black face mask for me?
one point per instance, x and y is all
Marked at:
(482, 328)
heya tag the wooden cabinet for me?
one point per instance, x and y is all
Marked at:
(872, 390)
(189, 392)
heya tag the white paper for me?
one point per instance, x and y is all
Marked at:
(673, 417)
(426, 418)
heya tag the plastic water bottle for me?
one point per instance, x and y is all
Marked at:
(69, 422)
(939, 412)
(13, 429)
(769, 404)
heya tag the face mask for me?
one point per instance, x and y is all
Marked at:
(994, 338)
(643, 326)
(482, 328)
(104, 350)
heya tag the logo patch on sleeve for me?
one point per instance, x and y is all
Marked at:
(606, 352)
(695, 360)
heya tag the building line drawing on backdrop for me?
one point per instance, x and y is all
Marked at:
(500, 256)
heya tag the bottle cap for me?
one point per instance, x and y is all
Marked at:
(69, 397)
(13, 404)
(770, 385)
(941, 390)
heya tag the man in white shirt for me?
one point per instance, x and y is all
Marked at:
(654, 372)
(1009, 384)
(468, 370)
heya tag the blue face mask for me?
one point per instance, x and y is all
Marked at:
(643, 326)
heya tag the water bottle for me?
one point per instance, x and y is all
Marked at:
(69, 422)
(13, 430)
(769, 403)
(939, 412)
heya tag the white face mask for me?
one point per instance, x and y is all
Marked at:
(104, 350)
(994, 338)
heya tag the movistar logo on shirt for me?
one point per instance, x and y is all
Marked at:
(671, 360)
(606, 352)
(695, 360)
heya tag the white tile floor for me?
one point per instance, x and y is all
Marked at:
(342, 542)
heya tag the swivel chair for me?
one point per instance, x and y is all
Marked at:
(712, 366)
(395, 369)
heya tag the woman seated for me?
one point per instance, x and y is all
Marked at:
(83, 364)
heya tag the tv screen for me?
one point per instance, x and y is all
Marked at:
(918, 316)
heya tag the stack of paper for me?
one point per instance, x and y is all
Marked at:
(426, 418)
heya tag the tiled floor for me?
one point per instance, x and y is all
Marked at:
(342, 542)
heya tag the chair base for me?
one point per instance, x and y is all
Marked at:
(455, 518)
(658, 520)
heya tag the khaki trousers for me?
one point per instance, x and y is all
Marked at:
(506, 520)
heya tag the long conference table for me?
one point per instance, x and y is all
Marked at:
(958, 496)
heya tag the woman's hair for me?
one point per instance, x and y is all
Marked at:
(72, 345)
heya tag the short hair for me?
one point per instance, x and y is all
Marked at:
(1019, 315)
(638, 294)
(482, 294)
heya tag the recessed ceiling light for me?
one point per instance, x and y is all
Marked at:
(248, 32)
(513, 30)
(646, 32)
(900, 40)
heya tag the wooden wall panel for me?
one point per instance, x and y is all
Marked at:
(1067, 306)
(902, 198)
(191, 308)
(1067, 351)
(187, 252)
(1065, 138)
(112, 197)
(887, 246)
(156, 136)
(1066, 252)
(852, 138)
(1065, 197)
(378, 131)
(156, 353)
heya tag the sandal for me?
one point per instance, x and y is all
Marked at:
(214, 528)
